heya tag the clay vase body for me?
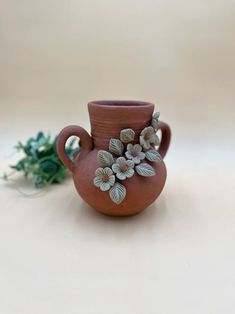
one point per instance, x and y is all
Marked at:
(107, 119)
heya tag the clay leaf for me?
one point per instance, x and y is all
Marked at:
(153, 155)
(105, 159)
(156, 115)
(127, 135)
(154, 124)
(145, 170)
(116, 147)
(117, 193)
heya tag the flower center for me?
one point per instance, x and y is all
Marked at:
(105, 178)
(147, 136)
(134, 154)
(123, 167)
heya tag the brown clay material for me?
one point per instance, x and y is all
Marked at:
(107, 119)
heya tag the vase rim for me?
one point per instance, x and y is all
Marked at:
(120, 103)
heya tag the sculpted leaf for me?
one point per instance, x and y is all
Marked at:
(156, 115)
(105, 159)
(116, 147)
(117, 193)
(154, 124)
(145, 170)
(127, 135)
(153, 155)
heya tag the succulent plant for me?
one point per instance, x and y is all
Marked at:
(41, 161)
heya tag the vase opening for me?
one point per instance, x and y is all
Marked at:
(121, 103)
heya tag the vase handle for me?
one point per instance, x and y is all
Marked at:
(85, 139)
(166, 138)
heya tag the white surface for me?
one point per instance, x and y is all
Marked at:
(58, 256)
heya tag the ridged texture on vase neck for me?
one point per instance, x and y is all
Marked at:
(108, 118)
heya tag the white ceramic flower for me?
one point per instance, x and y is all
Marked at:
(104, 178)
(148, 137)
(123, 168)
(134, 152)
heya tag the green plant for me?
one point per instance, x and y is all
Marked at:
(41, 160)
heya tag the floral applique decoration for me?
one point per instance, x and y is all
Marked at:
(125, 159)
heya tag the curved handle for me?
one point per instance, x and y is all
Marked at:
(85, 140)
(166, 138)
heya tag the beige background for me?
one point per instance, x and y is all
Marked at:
(59, 256)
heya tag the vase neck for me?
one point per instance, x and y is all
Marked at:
(108, 118)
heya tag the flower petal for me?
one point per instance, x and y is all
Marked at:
(121, 175)
(99, 172)
(150, 129)
(143, 131)
(130, 164)
(115, 168)
(129, 147)
(128, 155)
(155, 139)
(129, 173)
(141, 155)
(137, 148)
(97, 181)
(112, 180)
(108, 171)
(136, 160)
(105, 186)
(144, 143)
(121, 160)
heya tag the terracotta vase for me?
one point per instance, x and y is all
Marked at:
(107, 119)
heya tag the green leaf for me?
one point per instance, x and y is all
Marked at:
(39, 182)
(49, 166)
(127, 135)
(105, 159)
(21, 164)
(19, 146)
(117, 193)
(153, 155)
(145, 170)
(41, 160)
(60, 175)
(116, 147)
(41, 138)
